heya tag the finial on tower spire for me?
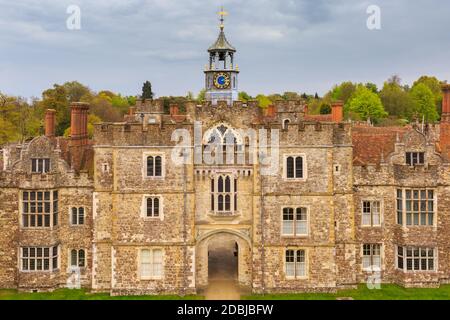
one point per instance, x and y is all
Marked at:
(222, 15)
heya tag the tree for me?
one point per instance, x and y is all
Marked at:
(343, 92)
(263, 101)
(423, 103)
(435, 86)
(291, 96)
(244, 96)
(147, 92)
(372, 87)
(366, 104)
(77, 92)
(201, 95)
(395, 99)
(57, 98)
(325, 108)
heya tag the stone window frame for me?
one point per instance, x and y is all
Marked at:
(305, 167)
(147, 154)
(381, 257)
(416, 158)
(78, 216)
(308, 219)
(69, 258)
(140, 277)
(233, 194)
(46, 165)
(53, 213)
(285, 124)
(403, 211)
(405, 258)
(51, 258)
(381, 212)
(143, 213)
(296, 249)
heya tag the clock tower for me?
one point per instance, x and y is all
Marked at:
(221, 74)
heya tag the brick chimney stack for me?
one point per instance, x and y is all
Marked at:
(337, 111)
(445, 122)
(50, 121)
(446, 103)
(271, 111)
(78, 133)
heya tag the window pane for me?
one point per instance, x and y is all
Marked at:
(158, 166)
(290, 167)
(227, 184)
(81, 215)
(288, 227)
(156, 207)
(150, 167)
(299, 167)
(302, 228)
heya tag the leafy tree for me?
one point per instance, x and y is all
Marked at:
(395, 99)
(77, 92)
(291, 96)
(147, 92)
(343, 92)
(263, 101)
(435, 86)
(423, 103)
(372, 87)
(57, 98)
(244, 96)
(325, 108)
(366, 104)
(201, 95)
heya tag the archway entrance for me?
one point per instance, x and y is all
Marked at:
(223, 264)
(223, 259)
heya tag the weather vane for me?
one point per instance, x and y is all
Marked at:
(222, 14)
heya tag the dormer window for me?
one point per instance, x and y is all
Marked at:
(40, 165)
(415, 158)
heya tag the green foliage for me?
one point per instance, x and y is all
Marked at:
(147, 92)
(343, 92)
(263, 101)
(201, 96)
(325, 108)
(372, 87)
(366, 104)
(291, 96)
(423, 103)
(395, 99)
(244, 96)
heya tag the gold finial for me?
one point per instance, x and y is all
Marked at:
(222, 14)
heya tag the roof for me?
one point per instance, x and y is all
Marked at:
(222, 44)
(372, 144)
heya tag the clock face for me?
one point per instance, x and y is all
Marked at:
(222, 80)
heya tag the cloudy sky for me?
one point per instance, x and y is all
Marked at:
(283, 45)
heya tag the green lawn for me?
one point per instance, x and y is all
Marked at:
(387, 292)
(68, 294)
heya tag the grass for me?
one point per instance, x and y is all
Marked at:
(68, 294)
(387, 292)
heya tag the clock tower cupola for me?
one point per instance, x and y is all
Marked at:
(221, 74)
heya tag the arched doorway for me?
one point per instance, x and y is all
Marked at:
(226, 255)
(223, 258)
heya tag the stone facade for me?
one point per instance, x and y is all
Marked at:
(344, 166)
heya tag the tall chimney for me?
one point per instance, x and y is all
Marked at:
(337, 111)
(50, 116)
(78, 133)
(446, 103)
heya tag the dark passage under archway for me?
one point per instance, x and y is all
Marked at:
(223, 259)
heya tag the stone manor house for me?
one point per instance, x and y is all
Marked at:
(348, 203)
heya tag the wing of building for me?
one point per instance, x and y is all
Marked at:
(341, 203)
